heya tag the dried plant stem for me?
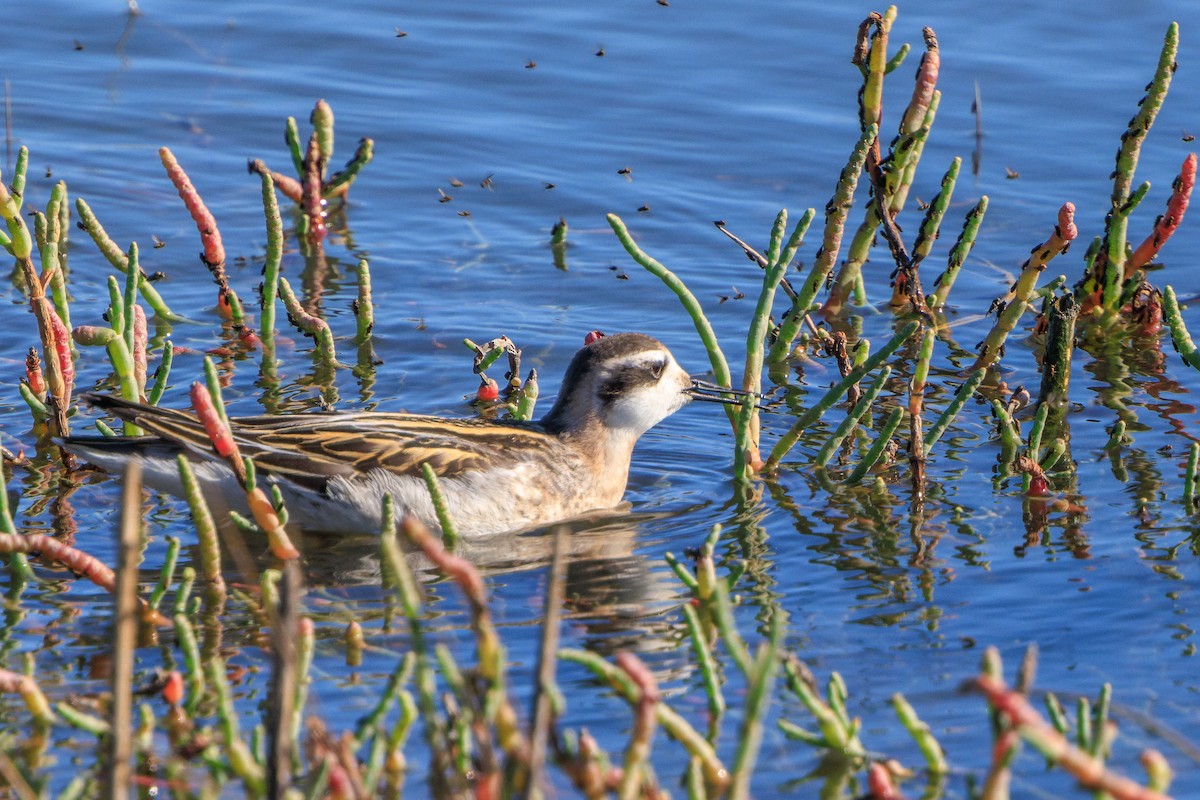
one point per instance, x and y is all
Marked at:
(283, 703)
(543, 712)
(129, 548)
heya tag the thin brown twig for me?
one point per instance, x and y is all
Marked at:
(281, 703)
(125, 623)
(13, 779)
(756, 257)
(543, 706)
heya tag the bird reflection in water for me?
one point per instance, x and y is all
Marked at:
(615, 596)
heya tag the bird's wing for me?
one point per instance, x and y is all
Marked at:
(309, 449)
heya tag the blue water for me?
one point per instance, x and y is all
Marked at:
(720, 111)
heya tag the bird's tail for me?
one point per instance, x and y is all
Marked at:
(164, 426)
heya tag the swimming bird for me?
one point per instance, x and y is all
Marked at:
(334, 469)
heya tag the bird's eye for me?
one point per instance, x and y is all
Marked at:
(656, 369)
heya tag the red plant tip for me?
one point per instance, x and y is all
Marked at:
(307, 629)
(1038, 486)
(33, 373)
(248, 337)
(264, 513)
(639, 673)
(879, 781)
(456, 568)
(223, 306)
(218, 432)
(1066, 223)
(340, 787)
(206, 224)
(488, 390)
(172, 690)
(592, 336)
(1168, 223)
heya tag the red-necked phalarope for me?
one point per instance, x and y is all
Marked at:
(334, 469)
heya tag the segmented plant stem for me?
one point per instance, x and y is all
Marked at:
(836, 211)
(789, 439)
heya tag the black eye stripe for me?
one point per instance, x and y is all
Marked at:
(630, 378)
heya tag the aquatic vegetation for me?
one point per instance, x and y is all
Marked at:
(314, 186)
(186, 735)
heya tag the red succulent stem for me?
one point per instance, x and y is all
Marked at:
(140, 341)
(879, 781)
(312, 200)
(76, 560)
(1088, 770)
(62, 353)
(1167, 223)
(289, 186)
(214, 251)
(218, 432)
(33, 374)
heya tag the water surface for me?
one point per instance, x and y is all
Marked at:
(718, 111)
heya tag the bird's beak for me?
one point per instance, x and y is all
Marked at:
(714, 393)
